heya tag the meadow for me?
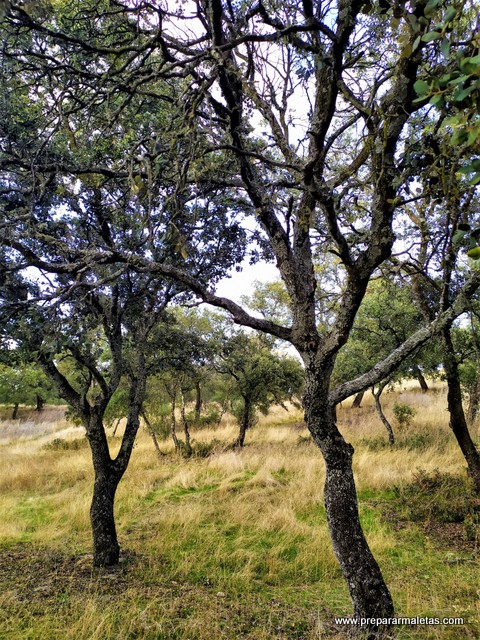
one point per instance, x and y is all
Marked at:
(229, 544)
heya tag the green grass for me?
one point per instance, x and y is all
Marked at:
(230, 547)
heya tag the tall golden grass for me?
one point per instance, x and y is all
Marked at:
(243, 522)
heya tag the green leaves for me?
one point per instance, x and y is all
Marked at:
(421, 87)
(474, 253)
(430, 8)
(431, 35)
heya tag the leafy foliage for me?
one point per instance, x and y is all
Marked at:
(404, 414)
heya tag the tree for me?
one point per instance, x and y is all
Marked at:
(467, 348)
(387, 316)
(262, 377)
(88, 196)
(24, 384)
(326, 180)
(443, 230)
(104, 335)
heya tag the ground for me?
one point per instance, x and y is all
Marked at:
(235, 545)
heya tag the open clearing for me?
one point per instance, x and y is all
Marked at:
(234, 545)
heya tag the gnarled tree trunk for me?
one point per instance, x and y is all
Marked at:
(458, 423)
(370, 595)
(106, 550)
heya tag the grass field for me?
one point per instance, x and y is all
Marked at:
(235, 545)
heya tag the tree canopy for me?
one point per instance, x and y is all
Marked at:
(171, 141)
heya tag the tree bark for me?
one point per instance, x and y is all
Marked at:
(106, 550)
(245, 423)
(40, 403)
(152, 435)
(357, 401)
(173, 422)
(378, 406)
(186, 428)
(370, 595)
(15, 411)
(421, 381)
(458, 423)
(198, 400)
(473, 403)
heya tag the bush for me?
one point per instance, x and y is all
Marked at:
(66, 445)
(74, 418)
(404, 414)
(439, 496)
(415, 441)
(207, 449)
(211, 417)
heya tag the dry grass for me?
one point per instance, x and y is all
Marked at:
(248, 525)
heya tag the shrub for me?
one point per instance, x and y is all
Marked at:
(58, 444)
(404, 414)
(206, 449)
(211, 417)
(439, 496)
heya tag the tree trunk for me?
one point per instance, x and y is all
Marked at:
(458, 423)
(381, 415)
(15, 411)
(245, 423)
(198, 400)
(106, 550)
(422, 382)
(40, 403)
(186, 429)
(173, 422)
(473, 402)
(117, 424)
(370, 595)
(357, 401)
(152, 435)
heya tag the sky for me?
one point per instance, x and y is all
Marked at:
(241, 284)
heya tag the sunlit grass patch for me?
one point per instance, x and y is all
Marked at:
(249, 525)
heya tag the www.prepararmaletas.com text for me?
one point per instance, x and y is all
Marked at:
(417, 620)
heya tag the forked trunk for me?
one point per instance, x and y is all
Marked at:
(458, 422)
(108, 473)
(370, 595)
(106, 550)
